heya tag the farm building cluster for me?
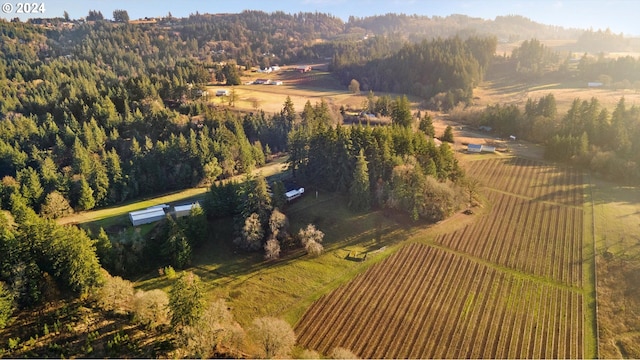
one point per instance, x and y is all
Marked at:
(479, 148)
(159, 212)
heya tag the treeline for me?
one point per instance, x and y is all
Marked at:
(603, 41)
(533, 60)
(621, 72)
(587, 135)
(450, 66)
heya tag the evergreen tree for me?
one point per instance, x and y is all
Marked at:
(401, 112)
(448, 134)
(30, 187)
(359, 194)
(7, 305)
(86, 200)
(186, 300)
(279, 199)
(426, 126)
(120, 16)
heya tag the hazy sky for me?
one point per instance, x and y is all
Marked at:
(618, 15)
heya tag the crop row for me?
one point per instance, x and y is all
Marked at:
(534, 237)
(531, 179)
(424, 302)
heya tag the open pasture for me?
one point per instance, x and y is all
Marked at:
(510, 285)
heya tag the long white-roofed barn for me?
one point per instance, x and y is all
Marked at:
(148, 215)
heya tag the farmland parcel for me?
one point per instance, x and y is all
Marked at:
(509, 285)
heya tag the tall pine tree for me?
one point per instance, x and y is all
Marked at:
(359, 195)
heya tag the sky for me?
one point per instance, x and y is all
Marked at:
(618, 15)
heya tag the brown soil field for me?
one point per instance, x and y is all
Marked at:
(509, 285)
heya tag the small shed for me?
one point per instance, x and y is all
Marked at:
(474, 148)
(185, 210)
(294, 194)
(148, 215)
(222, 93)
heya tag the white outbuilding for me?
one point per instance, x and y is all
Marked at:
(185, 210)
(294, 194)
(148, 215)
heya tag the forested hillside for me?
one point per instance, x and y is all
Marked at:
(506, 28)
(449, 66)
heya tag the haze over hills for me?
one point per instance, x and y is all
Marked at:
(597, 14)
(325, 26)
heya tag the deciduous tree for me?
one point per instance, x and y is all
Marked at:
(272, 249)
(55, 206)
(151, 308)
(354, 86)
(274, 336)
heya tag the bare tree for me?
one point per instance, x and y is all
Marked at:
(151, 308)
(471, 185)
(311, 238)
(314, 249)
(278, 222)
(310, 233)
(354, 86)
(116, 294)
(274, 336)
(214, 331)
(272, 249)
(252, 233)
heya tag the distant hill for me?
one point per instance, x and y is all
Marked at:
(506, 28)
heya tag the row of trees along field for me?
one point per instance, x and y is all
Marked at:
(587, 134)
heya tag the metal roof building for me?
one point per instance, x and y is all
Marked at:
(294, 194)
(185, 210)
(148, 215)
(474, 148)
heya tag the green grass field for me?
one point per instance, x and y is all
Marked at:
(117, 216)
(616, 214)
(285, 288)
